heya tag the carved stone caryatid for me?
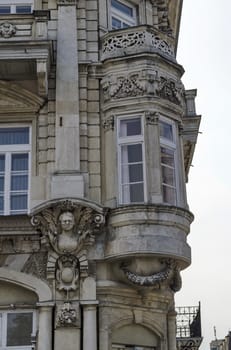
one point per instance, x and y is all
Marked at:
(170, 275)
(67, 316)
(7, 30)
(67, 226)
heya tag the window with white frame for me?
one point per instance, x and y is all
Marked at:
(17, 329)
(15, 149)
(123, 14)
(16, 6)
(168, 155)
(131, 160)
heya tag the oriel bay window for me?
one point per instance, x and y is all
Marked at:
(167, 156)
(123, 14)
(131, 160)
(17, 328)
(14, 169)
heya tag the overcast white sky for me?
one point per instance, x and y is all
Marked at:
(205, 52)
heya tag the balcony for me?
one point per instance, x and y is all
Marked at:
(137, 40)
(25, 51)
(188, 327)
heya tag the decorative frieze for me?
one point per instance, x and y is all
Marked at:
(7, 30)
(142, 83)
(133, 42)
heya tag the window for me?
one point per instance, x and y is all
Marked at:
(123, 14)
(14, 170)
(167, 154)
(16, 6)
(131, 160)
(17, 329)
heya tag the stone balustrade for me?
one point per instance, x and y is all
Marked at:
(136, 40)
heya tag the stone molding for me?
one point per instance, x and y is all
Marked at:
(66, 2)
(136, 40)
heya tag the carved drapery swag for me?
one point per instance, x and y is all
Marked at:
(170, 275)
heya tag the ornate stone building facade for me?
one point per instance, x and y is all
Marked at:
(97, 135)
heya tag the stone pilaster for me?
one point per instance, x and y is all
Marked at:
(67, 180)
(45, 326)
(89, 325)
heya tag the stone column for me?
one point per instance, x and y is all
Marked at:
(67, 181)
(89, 325)
(171, 331)
(153, 156)
(45, 326)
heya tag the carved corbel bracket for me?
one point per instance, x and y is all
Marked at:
(42, 75)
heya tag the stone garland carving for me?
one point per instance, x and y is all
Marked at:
(7, 30)
(167, 90)
(128, 87)
(140, 84)
(117, 44)
(155, 280)
(67, 316)
(68, 226)
(67, 273)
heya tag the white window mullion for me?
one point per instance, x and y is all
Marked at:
(7, 183)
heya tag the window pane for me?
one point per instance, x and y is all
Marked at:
(23, 9)
(134, 153)
(1, 205)
(1, 183)
(18, 202)
(132, 173)
(116, 24)
(2, 162)
(169, 195)
(19, 328)
(168, 176)
(19, 162)
(167, 156)
(4, 9)
(127, 10)
(130, 127)
(137, 193)
(166, 131)
(14, 136)
(19, 182)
